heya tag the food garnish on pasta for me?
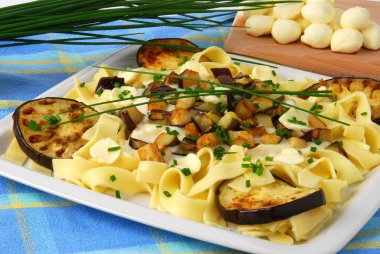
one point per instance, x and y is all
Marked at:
(213, 139)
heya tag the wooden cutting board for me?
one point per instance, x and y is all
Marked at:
(364, 63)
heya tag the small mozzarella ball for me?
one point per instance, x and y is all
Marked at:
(285, 31)
(371, 35)
(287, 10)
(303, 22)
(258, 25)
(317, 35)
(356, 18)
(335, 23)
(346, 40)
(314, 1)
(318, 12)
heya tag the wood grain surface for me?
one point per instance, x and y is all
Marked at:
(365, 63)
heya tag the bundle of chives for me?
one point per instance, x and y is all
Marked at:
(73, 16)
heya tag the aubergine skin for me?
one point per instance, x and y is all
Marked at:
(271, 214)
(32, 152)
(40, 158)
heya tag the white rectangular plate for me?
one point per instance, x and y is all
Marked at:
(351, 216)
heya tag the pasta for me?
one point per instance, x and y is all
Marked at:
(187, 186)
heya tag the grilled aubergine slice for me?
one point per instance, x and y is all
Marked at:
(343, 86)
(41, 141)
(264, 204)
(156, 57)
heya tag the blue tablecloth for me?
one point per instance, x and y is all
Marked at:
(32, 221)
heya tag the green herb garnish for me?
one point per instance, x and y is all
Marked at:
(54, 119)
(223, 134)
(186, 171)
(313, 149)
(248, 183)
(112, 149)
(220, 151)
(247, 125)
(364, 113)
(175, 163)
(317, 141)
(82, 84)
(167, 194)
(310, 160)
(283, 133)
(296, 121)
(317, 108)
(117, 194)
(268, 158)
(246, 144)
(34, 126)
(113, 178)
(171, 132)
(192, 138)
(117, 85)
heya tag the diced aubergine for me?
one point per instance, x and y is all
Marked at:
(221, 72)
(171, 79)
(245, 108)
(41, 141)
(158, 115)
(158, 57)
(108, 83)
(204, 123)
(152, 86)
(166, 140)
(321, 134)
(185, 103)
(180, 116)
(191, 130)
(191, 78)
(230, 121)
(265, 204)
(136, 143)
(162, 89)
(150, 152)
(209, 140)
(315, 122)
(186, 146)
(159, 105)
(205, 106)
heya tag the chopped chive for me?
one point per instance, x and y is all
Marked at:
(313, 149)
(274, 73)
(121, 97)
(268, 158)
(163, 69)
(296, 121)
(115, 148)
(176, 54)
(363, 113)
(99, 92)
(167, 194)
(163, 152)
(340, 142)
(237, 63)
(283, 133)
(220, 151)
(125, 92)
(317, 141)
(192, 138)
(113, 178)
(310, 160)
(171, 132)
(117, 85)
(317, 108)
(247, 125)
(82, 84)
(34, 126)
(54, 119)
(186, 171)
(158, 126)
(175, 163)
(300, 152)
(247, 159)
(117, 194)
(246, 145)
(244, 165)
(248, 183)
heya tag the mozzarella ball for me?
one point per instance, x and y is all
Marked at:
(258, 25)
(356, 18)
(335, 23)
(317, 35)
(318, 12)
(287, 10)
(285, 31)
(346, 40)
(371, 35)
(302, 22)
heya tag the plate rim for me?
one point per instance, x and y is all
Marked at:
(323, 242)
